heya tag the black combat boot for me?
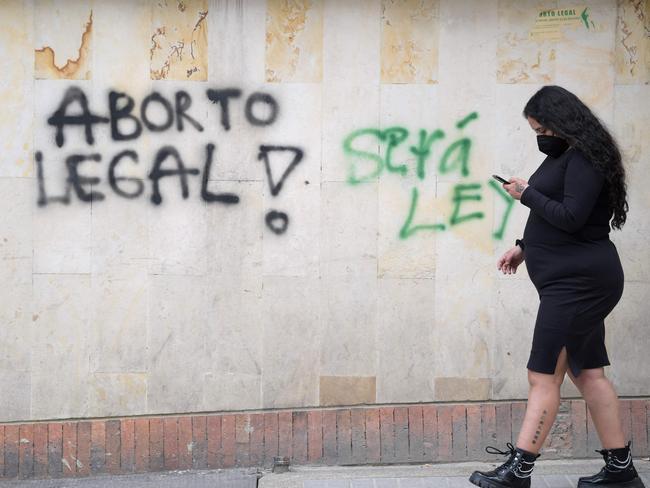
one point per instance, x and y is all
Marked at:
(618, 472)
(514, 473)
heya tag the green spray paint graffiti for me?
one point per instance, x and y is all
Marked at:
(585, 18)
(366, 165)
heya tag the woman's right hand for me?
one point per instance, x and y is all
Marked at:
(509, 262)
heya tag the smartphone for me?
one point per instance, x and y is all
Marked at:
(498, 178)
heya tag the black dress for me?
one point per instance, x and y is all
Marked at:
(571, 261)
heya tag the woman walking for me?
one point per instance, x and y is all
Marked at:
(573, 196)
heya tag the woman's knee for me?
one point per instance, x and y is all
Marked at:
(594, 385)
(543, 380)
(588, 377)
(555, 379)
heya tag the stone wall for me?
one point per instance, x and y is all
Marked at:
(215, 206)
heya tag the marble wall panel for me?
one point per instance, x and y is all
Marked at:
(409, 41)
(117, 394)
(407, 199)
(234, 333)
(235, 234)
(405, 340)
(520, 57)
(17, 208)
(632, 48)
(237, 54)
(348, 230)
(17, 66)
(62, 242)
(176, 356)
(631, 128)
(624, 330)
(515, 305)
(467, 89)
(294, 41)
(293, 252)
(226, 41)
(346, 109)
(57, 395)
(16, 315)
(463, 389)
(291, 309)
(178, 233)
(299, 124)
(16, 290)
(63, 45)
(236, 44)
(351, 40)
(350, 318)
(179, 40)
(120, 235)
(255, 22)
(409, 223)
(122, 43)
(60, 345)
(347, 390)
(15, 401)
(465, 276)
(468, 50)
(231, 391)
(588, 54)
(118, 319)
(53, 146)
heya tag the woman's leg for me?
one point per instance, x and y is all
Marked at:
(543, 403)
(603, 404)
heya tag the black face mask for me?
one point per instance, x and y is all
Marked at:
(552, 145)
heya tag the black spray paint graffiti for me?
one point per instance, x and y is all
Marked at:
(260, 110)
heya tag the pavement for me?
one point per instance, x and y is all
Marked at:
(548, 474)
(222, 478)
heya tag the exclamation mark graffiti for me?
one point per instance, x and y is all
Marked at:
(278, 221)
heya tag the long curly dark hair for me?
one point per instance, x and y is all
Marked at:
(564, 113)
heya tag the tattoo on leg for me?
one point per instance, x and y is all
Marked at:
(539, 427)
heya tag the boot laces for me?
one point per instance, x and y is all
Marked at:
(494, 450)
(515, 462)
(512, 461)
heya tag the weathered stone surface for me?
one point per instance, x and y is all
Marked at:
(463, 389)
(347, 390)
(157, 283)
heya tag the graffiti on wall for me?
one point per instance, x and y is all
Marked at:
(260, 109)
(366, 166)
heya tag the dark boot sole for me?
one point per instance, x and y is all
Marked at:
(635, 483)
(483, 482)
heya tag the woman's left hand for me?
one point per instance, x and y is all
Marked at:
(516, 187)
